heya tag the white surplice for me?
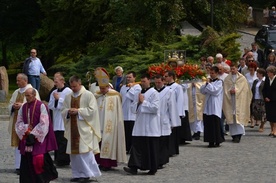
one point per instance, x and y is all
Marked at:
(213, 92)
(168, 112)
(147, 121)
(58, 123)
(128, 94)
(185, 96)
(179, 98)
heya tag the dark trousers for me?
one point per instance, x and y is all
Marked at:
(128, 134)
(185, 130)
(144, 153)
(174, 141)
(212, 129)
(164, 152)
(61, 158)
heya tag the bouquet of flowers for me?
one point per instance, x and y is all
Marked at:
(185, 73)
(159, 69)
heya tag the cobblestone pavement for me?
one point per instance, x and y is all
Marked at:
(252, 160)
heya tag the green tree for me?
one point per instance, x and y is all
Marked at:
(77, 28)
(19, 21)
(227, 14)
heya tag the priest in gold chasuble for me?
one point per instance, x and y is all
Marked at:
(109, 101)
(82, 130)
(236, 103)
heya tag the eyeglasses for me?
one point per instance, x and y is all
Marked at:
(250, 60)
(33, 52)
(166, 76)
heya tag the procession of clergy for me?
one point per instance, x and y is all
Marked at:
(95, 130)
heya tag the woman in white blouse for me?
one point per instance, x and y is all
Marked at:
(252, 74)
(258, 104)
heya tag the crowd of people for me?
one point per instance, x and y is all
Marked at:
(94, 130)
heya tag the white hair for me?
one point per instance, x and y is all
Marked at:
(118, 67)
(219, 55)
(210, 57)
(226, 67)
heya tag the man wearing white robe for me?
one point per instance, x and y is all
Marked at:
(17, 100)
(179, 99)
(127, 92)
(146, 130)
(196, 106)
(222, 75)
(236, 103)
(82, 130)
(168, 118)
(185, 129)
(56, 104)
(213, 90)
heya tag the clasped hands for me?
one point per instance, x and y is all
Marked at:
(73, 111)
(56, 95)
(232, 91)
(141, 98)
(17, 105)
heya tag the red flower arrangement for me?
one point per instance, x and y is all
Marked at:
(186, 72)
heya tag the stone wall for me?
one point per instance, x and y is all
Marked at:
(4, 84)
(46, 84)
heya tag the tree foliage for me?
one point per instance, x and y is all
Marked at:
(208, 43)
(92, 33)
(19, 21)
(227, 14)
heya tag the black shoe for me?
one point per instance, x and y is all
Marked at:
(236, 140)
(75, 179)
(184, 142)
(160, 167)
(151, 172)
(217, 144)
(17, 171)
(106, 169)
(130, 170)
(85, 179)
(196, 136)
(211, 145)
(226, 133)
